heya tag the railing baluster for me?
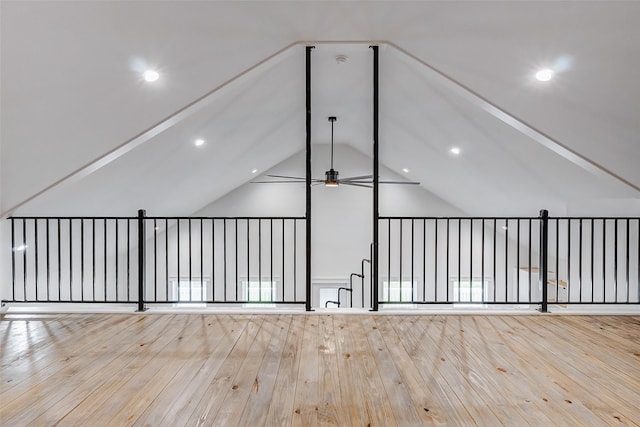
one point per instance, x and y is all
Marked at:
(389, 263)
(13, 259)
(224, 251)
(412, 258)
(59, 263)
(35, 253)
(282, 271)
(604, 258)
(628, 259)
(104, 285)
(295, 261)
(580, 263)
(400, 260)
(569, 260)
(48, 259)
(447, 270)
(540, 272)
(459, 257)
(518, 261)
(272, 286)
(190, 261)
(81, 259)
(495, 277)
(557, 259)
(201, 261)
(166, 260)
(424, 260)
(248, 264)
(24, 258)
(615, 258)
(70, 259)
(471, 260)
(178, 259)
(155, 260)
(482, 261)
(93, 259)
(592, 260)
(435, 258)
(260, 260)
(213, 259)
(116, 257)
(506, 260)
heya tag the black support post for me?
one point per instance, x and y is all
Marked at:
(544, 258)
(141, 259)
(308, 179)
(376, 211)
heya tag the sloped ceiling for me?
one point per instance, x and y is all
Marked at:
(72, 91)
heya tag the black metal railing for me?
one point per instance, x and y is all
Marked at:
(480, 260)
(158, 260)
(74, 259)
(597, 260)
(261, 260)
(225, 260)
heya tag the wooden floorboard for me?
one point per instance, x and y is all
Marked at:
(319, 369)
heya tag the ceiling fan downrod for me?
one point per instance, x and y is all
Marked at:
(331, 175)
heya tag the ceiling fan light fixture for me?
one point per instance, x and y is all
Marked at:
(331, 178)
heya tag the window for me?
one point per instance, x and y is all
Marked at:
(470, 291)
(398, 291)
(259, 291)
(188, 291)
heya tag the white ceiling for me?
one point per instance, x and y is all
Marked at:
(71, 92)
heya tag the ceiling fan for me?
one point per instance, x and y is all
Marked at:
(332, 178)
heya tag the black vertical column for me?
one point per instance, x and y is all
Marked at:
(544, 258)
(376, 212)
(308, 178)
(141, 259)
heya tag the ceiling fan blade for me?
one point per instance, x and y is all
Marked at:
(276, 182)
(284, 176)
(354, 184)
(351, 178)
(399, 182)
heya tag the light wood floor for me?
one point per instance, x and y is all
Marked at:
(318, 369)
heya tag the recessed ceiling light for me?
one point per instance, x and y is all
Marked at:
(504, 227)
(455, 150)
(405, 170)
(151, 75)
(254, 171)
(544, 75)
(198, 142)
(20, 248)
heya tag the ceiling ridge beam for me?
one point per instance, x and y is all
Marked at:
(519, 124)
(144, 136)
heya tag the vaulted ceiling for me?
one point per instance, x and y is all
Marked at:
(72, 92)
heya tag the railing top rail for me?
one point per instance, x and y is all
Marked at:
(227, 217)
(510, 217)
(461, 217)
(74, 217)
(595, 218)
(156, 217)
